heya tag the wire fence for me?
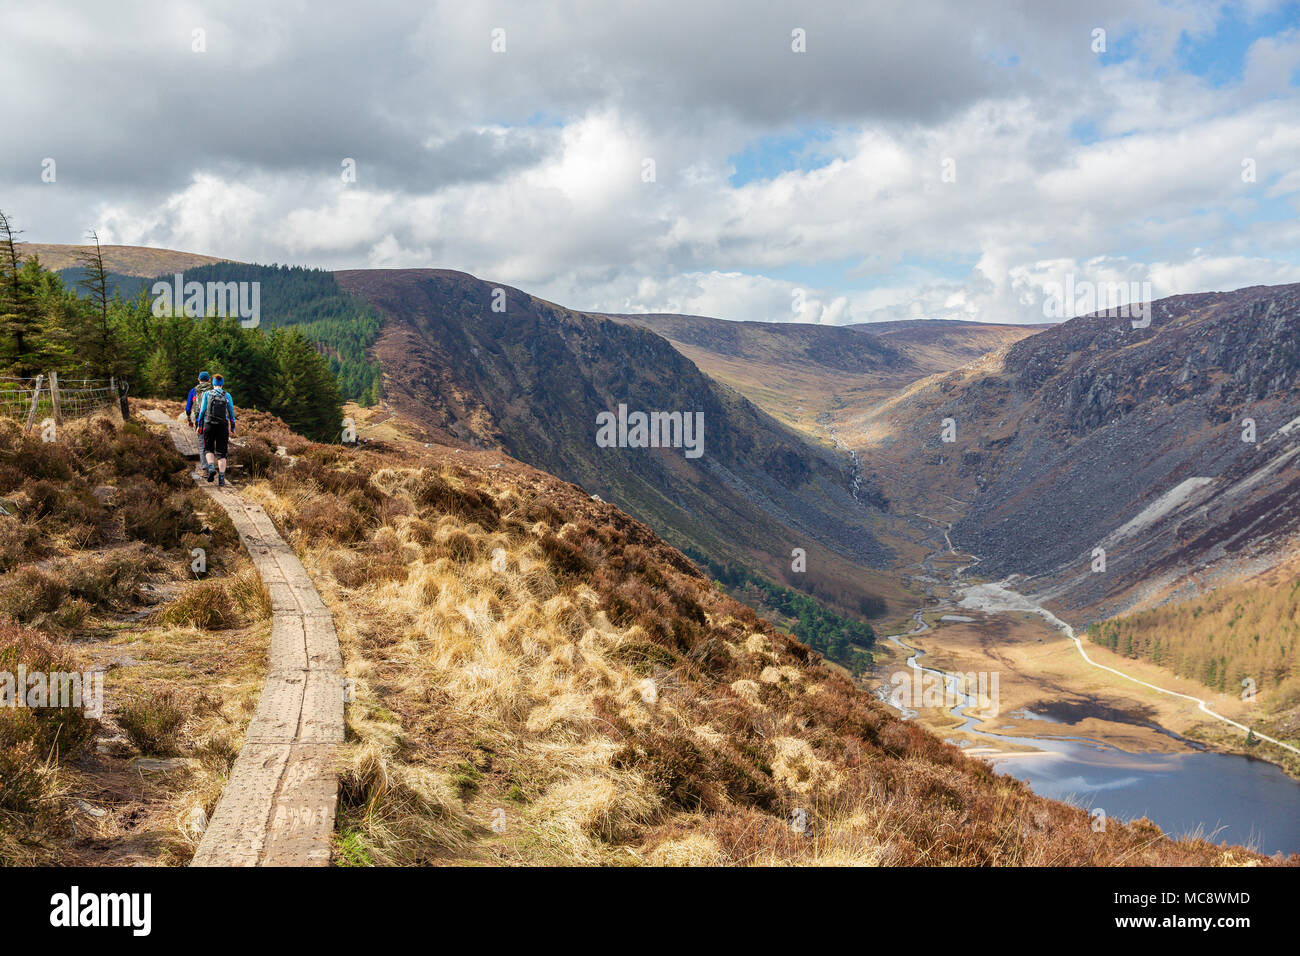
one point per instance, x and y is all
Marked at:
(33, 400)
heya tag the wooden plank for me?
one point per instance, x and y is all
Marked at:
(278, 806)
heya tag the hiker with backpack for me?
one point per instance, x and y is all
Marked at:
(217, 422)
(196, 395)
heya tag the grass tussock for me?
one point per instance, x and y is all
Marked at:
(541, 680)
(97, 530)
(34, 739)
(394, 813)
(219, 604)
(154, 723)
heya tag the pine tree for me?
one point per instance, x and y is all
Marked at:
(159, 374)
(140, 330)
(20, 309)
(306, 393)
(56, 311)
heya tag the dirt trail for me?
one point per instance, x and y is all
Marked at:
(278, 806)
(995, 598)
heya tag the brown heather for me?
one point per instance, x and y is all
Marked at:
(501, 627)
(95, 575)
(539, 679)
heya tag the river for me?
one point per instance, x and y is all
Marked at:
(1224, 798)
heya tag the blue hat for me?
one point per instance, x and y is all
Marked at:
(203, 376)
(217, 380)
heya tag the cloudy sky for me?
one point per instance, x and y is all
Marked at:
(916, 158)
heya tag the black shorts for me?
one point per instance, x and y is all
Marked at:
(215, 438)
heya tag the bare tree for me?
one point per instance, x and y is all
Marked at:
(99, 339)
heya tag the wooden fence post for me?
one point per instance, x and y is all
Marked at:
(36, 395)
(54, 398)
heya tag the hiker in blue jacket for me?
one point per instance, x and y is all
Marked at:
(196, 393)
(217, 420)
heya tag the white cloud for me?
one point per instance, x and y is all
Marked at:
(527, 167)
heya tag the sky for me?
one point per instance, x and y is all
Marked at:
(817, 162)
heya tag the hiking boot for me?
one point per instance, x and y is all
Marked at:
(221, 481)
(212, 473)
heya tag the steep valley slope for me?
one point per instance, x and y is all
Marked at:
(531, 378)
(539, 679)
(1098, 435)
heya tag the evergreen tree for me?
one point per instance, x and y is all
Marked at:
(158, 375)
(242, 355)
(57, 311)
(306, 393)
(140, 329)
(20, 309)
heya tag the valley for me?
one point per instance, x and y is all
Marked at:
(1046, 546)
(1078, 720)
(809, 375)
(1088, 434)
(1002, 678)
(532, 380)
(465, 436)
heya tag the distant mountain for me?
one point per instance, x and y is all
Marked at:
(1096, 434)
(941, 345)
(140, 261)
(803, 373)
(532, 378)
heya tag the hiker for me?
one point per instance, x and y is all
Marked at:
(217, 421)
(196, 393)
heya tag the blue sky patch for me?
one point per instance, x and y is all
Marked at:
(770, 156)
(1220, 57)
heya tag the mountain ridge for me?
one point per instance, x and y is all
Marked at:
(139, 261)
(1068, 435)
(532, 378)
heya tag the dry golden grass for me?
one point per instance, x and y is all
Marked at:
(127, 260)
(98, 557)
(539, 680)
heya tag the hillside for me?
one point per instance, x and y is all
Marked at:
(539, 679)
(141, 261)
(532, 379)
(1095, 434)
(536, 678)
(97, 576)
(1241, 638)
(341, 328)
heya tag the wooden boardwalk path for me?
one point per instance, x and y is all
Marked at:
(278, 807)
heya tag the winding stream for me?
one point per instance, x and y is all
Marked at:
(1225, 798)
